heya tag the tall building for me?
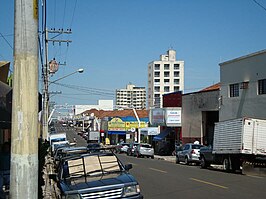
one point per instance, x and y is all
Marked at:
(164, 76)
(132, 96)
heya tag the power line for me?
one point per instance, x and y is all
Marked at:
(6, 40)
(259, 5)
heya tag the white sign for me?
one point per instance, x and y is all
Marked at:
(173, 117)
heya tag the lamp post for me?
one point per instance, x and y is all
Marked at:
(46, 99)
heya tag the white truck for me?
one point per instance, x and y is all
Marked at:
(57, 139)
(237, 142)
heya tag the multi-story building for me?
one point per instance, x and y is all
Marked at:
(164, 76)
(243, 87)
(132, 96)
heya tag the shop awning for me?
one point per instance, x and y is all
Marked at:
(116, 132)
(162, 135)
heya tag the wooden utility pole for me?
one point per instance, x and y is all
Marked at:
(24, 139)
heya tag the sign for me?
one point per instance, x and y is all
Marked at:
(157, 116)
(116, 124)
(173, 117)
(130, 125)
(53, 66)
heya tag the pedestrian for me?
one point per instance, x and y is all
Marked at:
(5, 157)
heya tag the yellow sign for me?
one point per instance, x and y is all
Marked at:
(130, 125)
(116, 124)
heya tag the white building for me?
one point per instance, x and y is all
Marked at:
(106, 105)
(243, 87)
(131, 96)
(164, 76)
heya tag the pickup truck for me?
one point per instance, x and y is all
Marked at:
(96, 175)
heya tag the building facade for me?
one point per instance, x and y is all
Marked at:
(243, 87)
(164, 76)
(131, 96)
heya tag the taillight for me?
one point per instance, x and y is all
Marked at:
(192, 152)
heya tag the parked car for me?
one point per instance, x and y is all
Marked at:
(131, 148)
(143, 150)
(189, 153)
(94, 147)
(122, 148)
(96, 175)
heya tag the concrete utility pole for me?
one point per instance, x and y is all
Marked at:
(24, 139)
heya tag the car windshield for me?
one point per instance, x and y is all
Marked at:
(91, 166)
(146, 146)
(196, 146)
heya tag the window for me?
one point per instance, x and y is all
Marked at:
(176, 74)
(166, 74)
(157, 88)
(166, 66)
(166, 80)
(176, 88)
(262, 86)
(176, 66)
(166, 89)
(234, 90)
(156, 74)
(157, 80)
(176, 81)
(156, 66)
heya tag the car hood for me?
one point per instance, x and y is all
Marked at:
(81, 184)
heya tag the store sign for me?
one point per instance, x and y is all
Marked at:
(157, 116)
(135, 125)
(116, 124)
(173, 117)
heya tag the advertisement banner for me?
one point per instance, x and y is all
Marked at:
(173, 117)
(157, 116)
(116, 124)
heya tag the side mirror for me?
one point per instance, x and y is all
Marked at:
(128, 167)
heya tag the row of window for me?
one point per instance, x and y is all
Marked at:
(176, 81)
(234, 89)
(166, 88)
(166, 66)
(166, 74)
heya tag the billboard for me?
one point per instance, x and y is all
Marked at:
(173, 117)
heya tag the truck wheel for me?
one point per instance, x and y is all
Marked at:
(203, 163)
(226, 164)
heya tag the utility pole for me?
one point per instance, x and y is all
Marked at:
(24, 139)
(46, 74)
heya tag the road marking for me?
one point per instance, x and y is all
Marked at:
(158, 170)
(209, 183)
(255, 176)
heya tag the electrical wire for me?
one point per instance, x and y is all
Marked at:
(6, 41)
(259, 5)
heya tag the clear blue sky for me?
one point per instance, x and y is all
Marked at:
(114, 40)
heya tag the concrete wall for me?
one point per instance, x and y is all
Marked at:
(193, 106)
(250, 68)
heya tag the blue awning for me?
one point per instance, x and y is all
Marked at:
(162, 135)
(117, 132)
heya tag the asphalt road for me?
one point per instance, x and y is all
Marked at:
(160, 179)
(163, 179)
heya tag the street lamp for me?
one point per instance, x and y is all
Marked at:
(77, 71)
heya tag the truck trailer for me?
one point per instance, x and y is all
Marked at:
(236, 143)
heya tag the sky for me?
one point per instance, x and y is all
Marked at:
(114, 40)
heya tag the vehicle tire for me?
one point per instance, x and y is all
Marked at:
(177, 160)
(203, 163)
(226, 164)
(186, 161)
(152, 157)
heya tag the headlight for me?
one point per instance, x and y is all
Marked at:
(131, 190)
(72, 196)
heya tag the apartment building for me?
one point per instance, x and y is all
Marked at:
(164, 76)
(131, 96)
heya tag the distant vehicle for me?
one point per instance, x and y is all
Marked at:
(189, 153)
(56, 140)
(96, 175)
(144, 150)
(131, 148)
(122, 148)
(64, 124)
(94, 147)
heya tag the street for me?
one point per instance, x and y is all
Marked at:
(163, 179)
